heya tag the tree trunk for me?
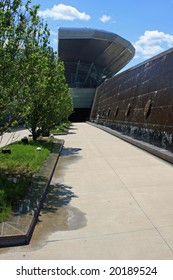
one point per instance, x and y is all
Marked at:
(34, 133)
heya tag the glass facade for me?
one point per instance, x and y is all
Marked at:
(90, 56)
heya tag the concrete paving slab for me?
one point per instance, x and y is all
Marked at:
(147, 175)
(133, 245)
(156, 202)
(167, 233)
(109, 200)
(9, 137)
(129, 245)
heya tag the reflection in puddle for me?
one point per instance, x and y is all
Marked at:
(62, 219)
(57, 211)
(57, 215)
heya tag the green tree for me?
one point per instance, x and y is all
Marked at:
(11, 23)
(32, 82)
(58, 102)
(46, 85)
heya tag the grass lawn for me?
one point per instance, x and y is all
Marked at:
(17, 169)
(58, 129)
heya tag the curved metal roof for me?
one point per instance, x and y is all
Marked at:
(89, 55)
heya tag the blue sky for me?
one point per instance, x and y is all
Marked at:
(146, 24)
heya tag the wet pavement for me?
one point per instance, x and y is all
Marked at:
(107, 200)
(18, 228)
(57, 213)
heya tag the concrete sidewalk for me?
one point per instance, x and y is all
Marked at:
(10, 137)
(114, 201)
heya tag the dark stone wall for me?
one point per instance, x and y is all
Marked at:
(139, 101)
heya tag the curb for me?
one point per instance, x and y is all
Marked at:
(42, 180)
(159, 152)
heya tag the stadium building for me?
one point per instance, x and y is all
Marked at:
(90, 57)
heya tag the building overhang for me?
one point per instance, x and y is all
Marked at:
(90, 56)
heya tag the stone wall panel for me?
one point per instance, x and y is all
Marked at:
(139, 101)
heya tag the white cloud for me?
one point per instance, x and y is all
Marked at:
(53, 33)
(55, 41)
(64, 12)
(152, 43)
(105, 18)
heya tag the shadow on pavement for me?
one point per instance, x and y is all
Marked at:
(58, 195)
(69, 151)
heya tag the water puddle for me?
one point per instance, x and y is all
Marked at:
(64, 218)
(57, 213)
